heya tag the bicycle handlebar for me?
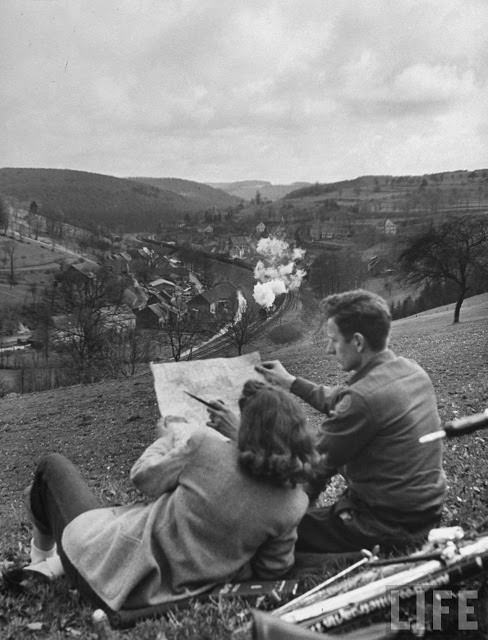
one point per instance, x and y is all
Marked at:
(459, 427)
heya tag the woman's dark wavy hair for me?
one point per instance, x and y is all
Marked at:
(274, 442)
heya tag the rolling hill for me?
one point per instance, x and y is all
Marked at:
(143, 203)
(247, 189)
(86, 199)
(445, 192)
(202, 195)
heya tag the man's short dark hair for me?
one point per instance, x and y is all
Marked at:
(360, 311)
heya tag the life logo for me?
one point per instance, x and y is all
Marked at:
(433, 609)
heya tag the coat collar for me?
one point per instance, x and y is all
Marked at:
(380, 358)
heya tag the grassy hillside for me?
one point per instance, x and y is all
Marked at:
(200, 194)
(428, 194)
(89, 198)
(35, 261)
(104, 427)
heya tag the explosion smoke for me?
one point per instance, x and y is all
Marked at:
(277, 272)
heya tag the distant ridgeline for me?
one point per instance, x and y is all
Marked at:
(430, 193)
(146, 204)
(90, 199)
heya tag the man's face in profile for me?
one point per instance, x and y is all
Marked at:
(345, 351)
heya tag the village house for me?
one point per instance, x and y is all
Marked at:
(118, 318)
(179, 275)
(23, 336)
(330, 229)
(153, 316)
(237, 250)
(241, 246)
(80, 272)
(153, 296)
(222, 296)
(119, 263)
(163, 286)
(389, 228)
(135, 297)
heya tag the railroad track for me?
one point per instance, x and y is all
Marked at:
(222, 345)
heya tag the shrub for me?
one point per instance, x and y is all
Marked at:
(4, 388)
(284, 333)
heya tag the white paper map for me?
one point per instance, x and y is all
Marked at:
(212, 379)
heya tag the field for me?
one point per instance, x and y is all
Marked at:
(34, 263)
(104, 427)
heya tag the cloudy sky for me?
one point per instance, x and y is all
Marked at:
(221, 90)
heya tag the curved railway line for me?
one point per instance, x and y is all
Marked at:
(222, 344)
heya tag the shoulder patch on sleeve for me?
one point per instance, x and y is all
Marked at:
(344, 404)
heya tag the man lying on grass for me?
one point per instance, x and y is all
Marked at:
(219, 510)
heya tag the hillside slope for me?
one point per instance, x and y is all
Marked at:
(84, 198)
(247, 189)
(445, 192)
(104, 426)
(202, 195)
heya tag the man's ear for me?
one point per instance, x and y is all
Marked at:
(360, 342)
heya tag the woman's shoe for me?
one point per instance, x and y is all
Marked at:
(51, 567)
(17, 580)
(24, 579)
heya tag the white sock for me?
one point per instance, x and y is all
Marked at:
(37, 555)
(51, 567)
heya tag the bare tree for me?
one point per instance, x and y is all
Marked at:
(125, 350)
(87, 307)
(455, 251)
(34, 219)
(183, 330)
(4, 214)
(239, 323)
(137, 348)
(9, 247)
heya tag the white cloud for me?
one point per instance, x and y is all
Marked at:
(426, 83)
(274, 89)
(414, 85)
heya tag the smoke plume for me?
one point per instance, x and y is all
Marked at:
(276, 272)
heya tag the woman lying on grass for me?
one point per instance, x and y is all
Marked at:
(220, 510)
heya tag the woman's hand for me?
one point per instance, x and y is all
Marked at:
(223, 420)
